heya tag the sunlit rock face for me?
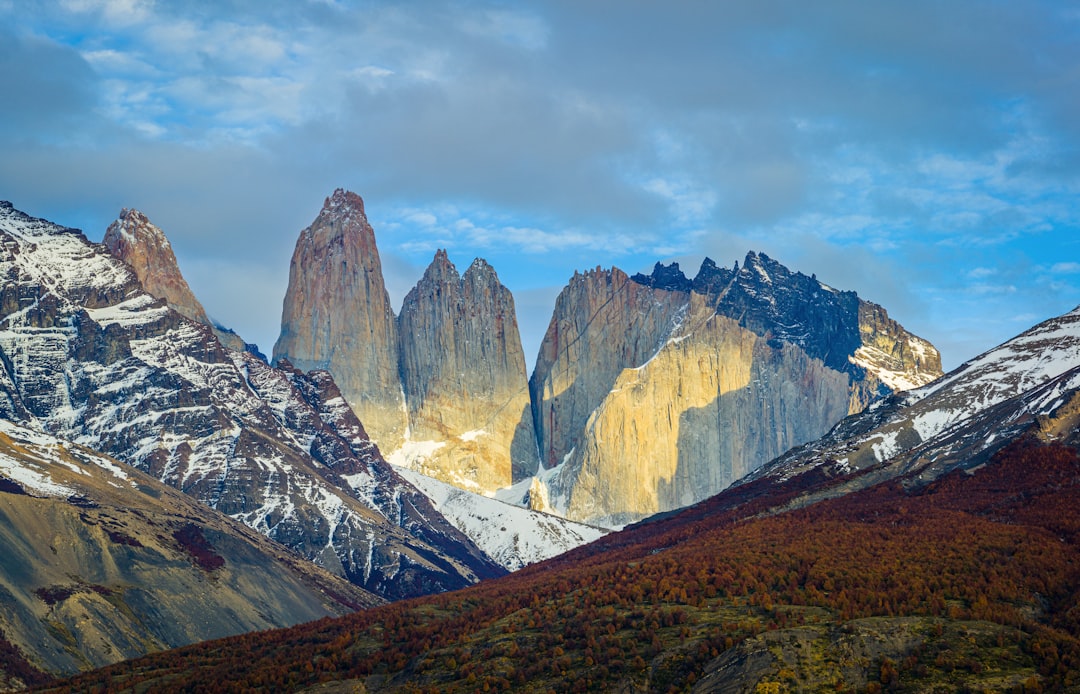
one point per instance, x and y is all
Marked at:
(337, 316)
(137, 241)
(657, 391)
(463, 373)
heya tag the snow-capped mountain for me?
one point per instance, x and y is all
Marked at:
(1030, 381)
(88, 356)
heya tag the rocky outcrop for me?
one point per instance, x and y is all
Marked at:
(92, 358)
(657, 391)
(463, 372)
(337, 316)
(142, 245)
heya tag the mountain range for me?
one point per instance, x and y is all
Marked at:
(650, 394)
(928, 543)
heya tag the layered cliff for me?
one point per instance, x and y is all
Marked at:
(134, 239)
(654, 392)
(463, 374)
(337, 316)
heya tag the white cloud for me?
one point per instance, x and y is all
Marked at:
(118, 13)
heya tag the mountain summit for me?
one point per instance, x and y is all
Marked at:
(442, 388)
(463, 372)
(337, 316)
(134, 239)
(655, 391)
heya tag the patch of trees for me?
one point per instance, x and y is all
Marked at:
(191, 539)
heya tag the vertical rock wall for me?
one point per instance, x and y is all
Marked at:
(464, 378)
(337, 316)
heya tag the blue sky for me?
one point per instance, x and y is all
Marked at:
(924, 154)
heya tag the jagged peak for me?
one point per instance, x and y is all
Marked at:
(481, 269)
(134, 227)
(343, 213)
(344, 202)
(669, 277)
(441, 269)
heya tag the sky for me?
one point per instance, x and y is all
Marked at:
(923, 154)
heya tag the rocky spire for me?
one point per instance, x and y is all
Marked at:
(337, 316)
(134, 239)
(463, 371)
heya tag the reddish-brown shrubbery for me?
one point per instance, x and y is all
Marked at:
(193, 542)
(1000, 546)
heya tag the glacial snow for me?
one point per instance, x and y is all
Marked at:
(511, 535)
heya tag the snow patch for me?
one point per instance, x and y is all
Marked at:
(512, 536)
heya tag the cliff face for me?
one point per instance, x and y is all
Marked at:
(134, 239)
(463, 374)
(655, 392)
(337, 316)
(603, 323)
(715, 401)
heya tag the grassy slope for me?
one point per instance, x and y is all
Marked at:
(971, 583)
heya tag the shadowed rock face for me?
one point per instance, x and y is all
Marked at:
(337, 316)
(463, 373)
(657, 391)
(142, 245)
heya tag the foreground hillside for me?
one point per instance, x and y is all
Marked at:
(101, 563)
(968, 583)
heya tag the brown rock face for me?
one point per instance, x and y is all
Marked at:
(134, 239)
(337, 316)
(464, 377)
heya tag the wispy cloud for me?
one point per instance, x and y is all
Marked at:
(906, 149)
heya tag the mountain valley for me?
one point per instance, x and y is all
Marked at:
(742, 481)
(806, 577)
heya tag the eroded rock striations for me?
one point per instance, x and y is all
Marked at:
(463, 372)
(88, 356)
(134, 239)
(654, 392)
(337, 316)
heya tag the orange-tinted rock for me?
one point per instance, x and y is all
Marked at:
(337, 316)
(463, 371)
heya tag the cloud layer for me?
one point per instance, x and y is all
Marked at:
(921, 153)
